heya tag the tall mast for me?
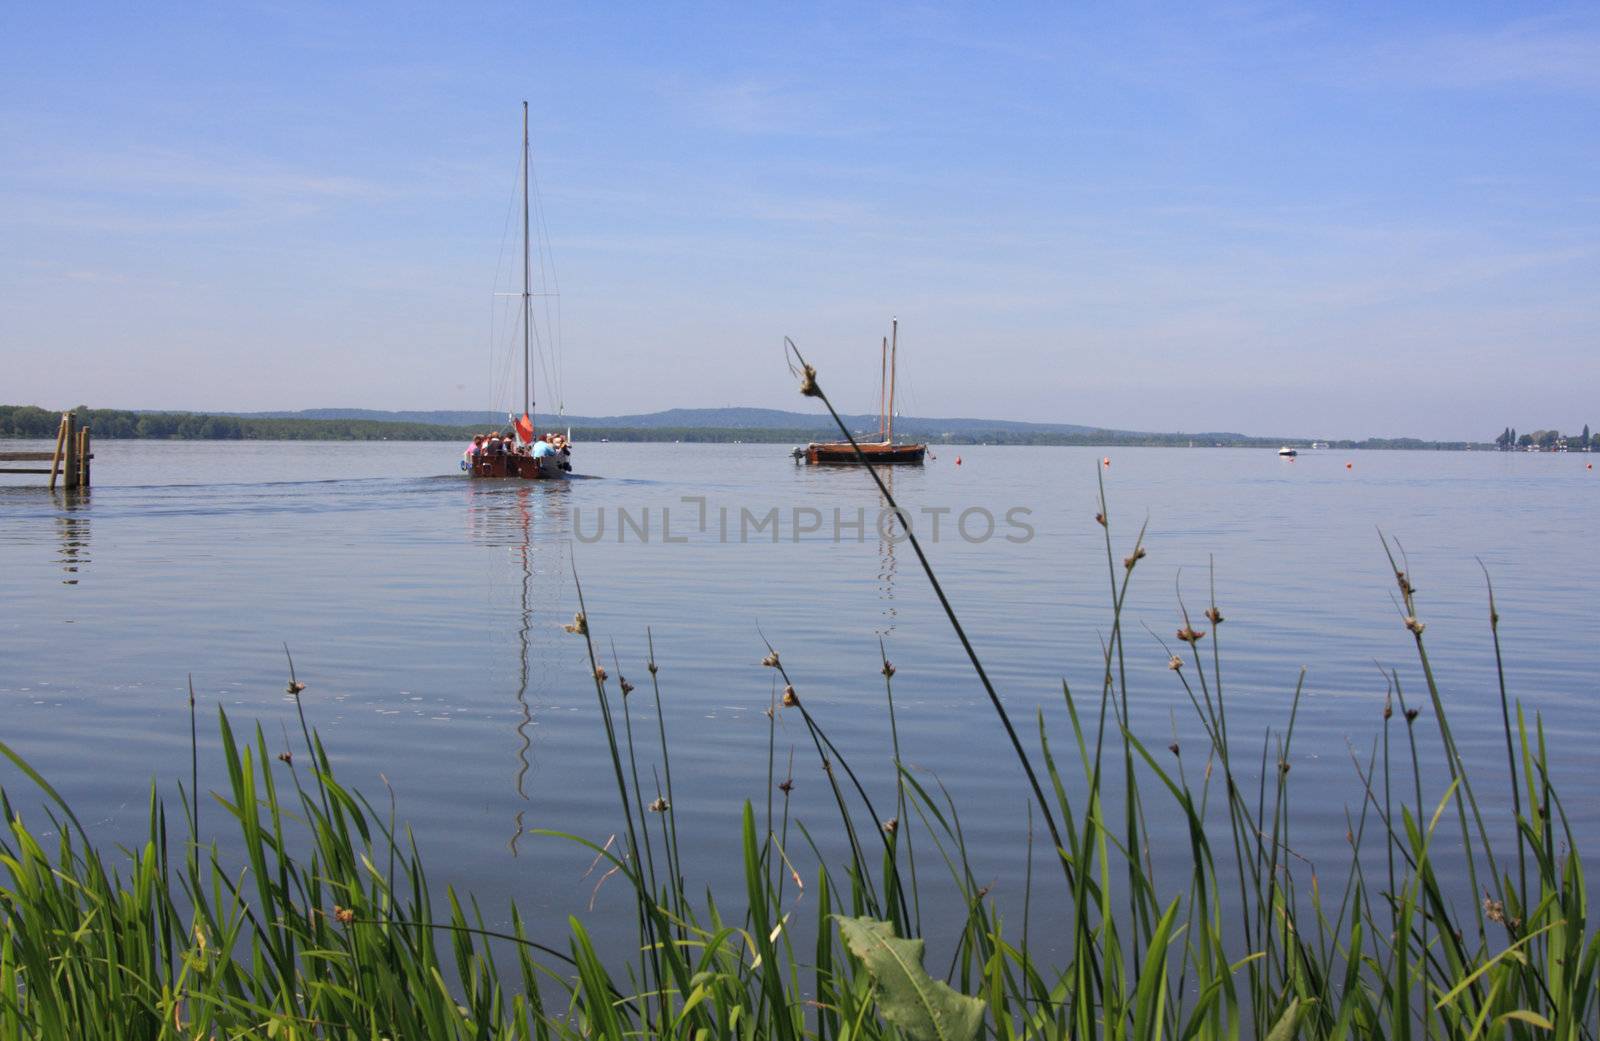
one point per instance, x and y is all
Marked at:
(883, 384)
(894, 348)
(527, 285)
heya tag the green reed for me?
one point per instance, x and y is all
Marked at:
(301, 910)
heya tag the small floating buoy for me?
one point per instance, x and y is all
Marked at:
(958, 460)
(1106, 461)
(1589, 467)
(1349, 466)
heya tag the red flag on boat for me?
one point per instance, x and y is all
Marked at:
(524, 429)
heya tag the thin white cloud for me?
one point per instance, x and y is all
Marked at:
(155, 170)
(757, 106)
(1554, 53)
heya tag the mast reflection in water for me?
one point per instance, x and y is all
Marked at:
(532, 521)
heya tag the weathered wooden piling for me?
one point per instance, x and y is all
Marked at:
(69, 461)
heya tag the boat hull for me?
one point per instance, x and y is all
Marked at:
(515, 467)
(842, 453)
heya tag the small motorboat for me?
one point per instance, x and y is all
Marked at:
(1287, 452)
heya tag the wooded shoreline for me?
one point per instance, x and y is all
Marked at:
(30, 422)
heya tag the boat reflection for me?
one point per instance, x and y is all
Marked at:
(888, 567)
(532, 522)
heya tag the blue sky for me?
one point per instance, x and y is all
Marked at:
(1345, 220)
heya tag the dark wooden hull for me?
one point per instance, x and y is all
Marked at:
(840, 453)
(523, 467)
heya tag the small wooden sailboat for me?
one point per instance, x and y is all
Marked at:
(519, 452)
(883, 450)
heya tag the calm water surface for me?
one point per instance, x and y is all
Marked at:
(424, 612)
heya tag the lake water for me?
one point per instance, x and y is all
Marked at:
(402, 589)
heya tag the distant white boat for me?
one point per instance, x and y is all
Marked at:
(1287, 452)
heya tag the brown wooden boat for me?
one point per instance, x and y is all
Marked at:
(883, 450)
(527, 467)
(510, 463)
(841, 453)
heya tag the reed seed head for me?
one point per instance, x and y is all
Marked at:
(622, 681)
(1190, 635)
(1406, 588)
(343, 914)
(1283, 766)
(1100, 519)
(1388, 706)
(790, 698)
(652, 667)
(600, 673)
(286, 757)
(1214, 616)
(786, 785)
(579, 625)
(771, 660)
(1493, 909)
(1174, 663)
(888, 668)
(659, 806)
(891, 825)
(1411, 714)
(295, 687)
(1415, 626)
(808, 382)
(1133, 558)
(1173, 748)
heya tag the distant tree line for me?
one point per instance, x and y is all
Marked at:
(1548, 441)
(27, 421)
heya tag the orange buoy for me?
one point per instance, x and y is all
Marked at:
(1106, 460)
(1349, 466)
(958, 460)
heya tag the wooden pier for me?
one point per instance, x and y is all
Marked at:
(69, 463)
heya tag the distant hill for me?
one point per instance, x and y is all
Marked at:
(738, 419)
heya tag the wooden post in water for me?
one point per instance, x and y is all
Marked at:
(84, 455)
(69, 461)
(69, 424)
(55, 460)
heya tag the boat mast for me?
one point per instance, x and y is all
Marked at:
(883, 385)
(527, 287)
(894, 349)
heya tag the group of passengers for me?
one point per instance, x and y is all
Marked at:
(549, 449)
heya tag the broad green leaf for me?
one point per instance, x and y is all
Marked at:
(1523, 1015)
(924, 1008)
(1288, 1023)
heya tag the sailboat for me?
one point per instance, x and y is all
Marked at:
(520, 452)
(883, 450)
